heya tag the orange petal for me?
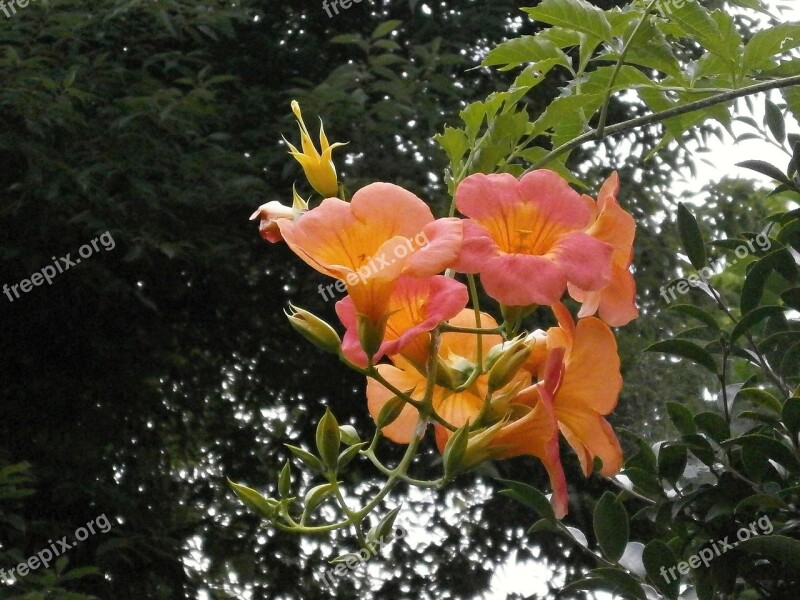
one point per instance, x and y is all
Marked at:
(592, 380)
(402, 430)
(590, 435)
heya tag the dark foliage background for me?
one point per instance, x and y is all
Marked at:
(144, 376)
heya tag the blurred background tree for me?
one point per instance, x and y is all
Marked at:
(144, 376)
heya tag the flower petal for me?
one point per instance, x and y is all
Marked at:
(592, 379)
(477, 249)
(521, 280)
(436, 247)
(402, 430)
(585, 260)
(590, 435)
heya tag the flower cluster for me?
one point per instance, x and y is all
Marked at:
(489, 390)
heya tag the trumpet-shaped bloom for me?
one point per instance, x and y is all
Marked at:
(526, 238)
(368, 243)
(586, 388)
(615, 303)
(458, 352)
(317, 165)
(527, 427)
(524, 421)
(416, 306)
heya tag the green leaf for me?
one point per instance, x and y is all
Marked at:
(714, 425)
(774, 119)
(651, 49)
(698, 313)
(346, 457)
(523, 50)
(285, 480)
(790, 361)
(765, 168)
(611, 526)
(691, 237)
(751, 4)
(530, 497)
(80, 573)
(454, 142)
(756, 279)
(454, 450)
(386, 28)
(701, 448)
(657, 556)
(753, 318)
(614, 581)
(756, 504)
(672, 460)
(304, 455)
(778, 548)
(687, 350)
(265, 507)
(768, 448)
(791, 416)
(760, 398)
(316, 495)
(383, 531)
(698, 24)
(791, 298)
(681, 417)
(792, 97)
(544, 525)
(768, 43)
(577, 15)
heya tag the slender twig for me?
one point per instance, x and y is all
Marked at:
(481, 330)
(666, 114)
(473, 292)
(618, 67)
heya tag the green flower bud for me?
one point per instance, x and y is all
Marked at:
(264, 507)
(285, 480)
(454, 450)
(316, 495)
(314, 329)
(349, 435)
(370, 334)
(390, 411)
(506, 367)
(328, 440)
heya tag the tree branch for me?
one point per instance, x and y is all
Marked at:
(598, 135)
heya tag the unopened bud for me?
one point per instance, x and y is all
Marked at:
(506, 367)
(328, 440)
(314, 329)
(390, 411)
(265, 507)
(454, 450)
(370, 334)
(316, 495)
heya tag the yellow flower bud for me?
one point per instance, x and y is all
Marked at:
(317, 165)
